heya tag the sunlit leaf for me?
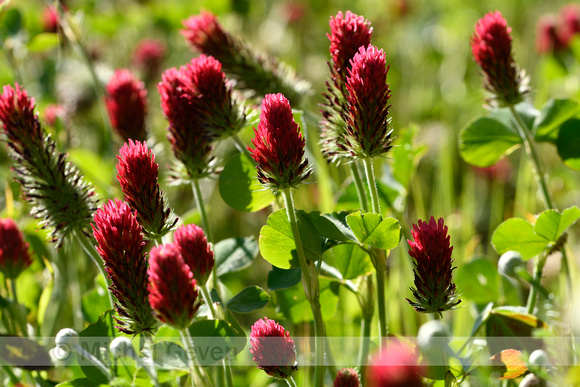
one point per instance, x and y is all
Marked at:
(510, 362)
(485, 141)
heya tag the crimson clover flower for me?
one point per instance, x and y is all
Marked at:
(548, 39)
(120, 245)
(279, 146)
(347, 377)
(434, 290)
(189, 141)
(127, 105)
(172, 288)
(253, 72)
(272, 348)
(196, 252)
(138, 173)
(368, 132)
(14, 255)
(571, 22)
(491, 45)
(348, 33)
(220, 114)
(396, 366)
(58, 193)
(148, 57)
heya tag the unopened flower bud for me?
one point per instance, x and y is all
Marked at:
(508, 262)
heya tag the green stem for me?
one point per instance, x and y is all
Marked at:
(358, 183)
(194, 369)
(205, 224)
(18, 317)
(368, 164)
(533, 295)
(436, 316)
(92, 253)
(291, 382)
(365, 340)
(311, 290)
(242, 147)
(150, 368)
(532, 152)
(207, 298)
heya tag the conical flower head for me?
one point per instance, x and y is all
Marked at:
(172, 288)
(148, 57)
(548, 38)
(279, 146)
(396, 366)
(60, 198)
(127, 105)
(434, 290)
(120, 245)
(491, 45)
(220, 114)
(254, 73)
(196, 252)
(368, 132)
(138, 173)
(347, 377)
(348, 33)
(14, 255)
(272, 348)
(189, 141)
(571, 22)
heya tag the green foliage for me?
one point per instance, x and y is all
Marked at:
(478, 281)
(530, 240)
(552, 116)
(375, 231)
(234, 254)
(248, 300)
(214, 339)
(485, 141)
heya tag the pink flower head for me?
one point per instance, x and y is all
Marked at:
(205, 33)
(491, 45)
(252, 72)
(148, 57)
(189, 140)
(435, 292)
(50, 19)
(120, 245)
(127, 105)
(272, 348)
(397, 366)
(54, 113)
(571, 22)
(14, 255)
(548, 38)
(60, 197)
(347, 34)
(368, 133)
(138, 173)
(347, 377)
(172, 288)
(196, 252)
(279, 146)
(215, 108)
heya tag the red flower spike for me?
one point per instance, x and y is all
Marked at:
(14, 255)
(127, 105)
(196, 252)
(50, 19)
(219, 113)
(252, 72)
(434, 290)
(396, 366)
(272, 348)
(491, 45)
(138, 175)
(347, 377)
(189, 141)
(148, 57)
(347, 34)
(57, 192)
(571, 22)
(120, 245)
(172, 288)
(279, 146)
(548, 38)
(367, 131)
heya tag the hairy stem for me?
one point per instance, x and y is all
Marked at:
(358, 183)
